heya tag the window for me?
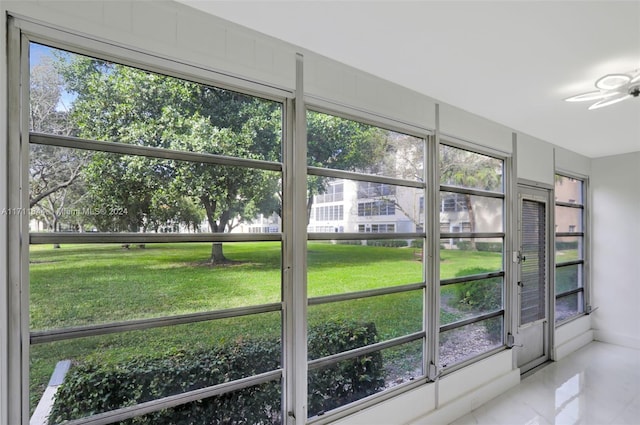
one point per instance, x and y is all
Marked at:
(570, 247)
(329, 213)
(366, 209)
(471, 249)
(334, 193)
(135, 219)
(364, 277)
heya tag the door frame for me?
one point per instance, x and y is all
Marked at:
(540, 192)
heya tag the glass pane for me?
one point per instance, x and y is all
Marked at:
(459, 167)
(390, 316)
(569, 248)
(460, 344)
(467, 257)
(350, 380)
(76, 95)
(343, 144)
(465, 300)
(350, 266)
(568, 219)
(260, 405)
(158, 362)
(568, 278)
(533, 268)
(568, 190)
(569, 306)
(470, 213)
(77, 285)
(338, 206)
(125, 193)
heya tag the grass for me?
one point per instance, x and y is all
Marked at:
(89, 284)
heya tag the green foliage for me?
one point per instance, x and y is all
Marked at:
(92, 387)
(349, 380)
(484, 295)
(489, 246)
(481, 296)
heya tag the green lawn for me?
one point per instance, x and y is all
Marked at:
(89, 284)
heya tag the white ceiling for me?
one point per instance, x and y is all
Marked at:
(510, 61)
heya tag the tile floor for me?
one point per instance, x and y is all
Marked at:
(597, 385)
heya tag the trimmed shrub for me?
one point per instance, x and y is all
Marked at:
(90, 388)
(346, 381)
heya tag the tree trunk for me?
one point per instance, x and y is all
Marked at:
(472, 220)
(217, 255)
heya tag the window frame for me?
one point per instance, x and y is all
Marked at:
(24, 33)
(505, 194)
(582, 291)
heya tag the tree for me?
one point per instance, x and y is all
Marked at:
(122, 104)
(468, 169)
(51, 169)
(338, 143)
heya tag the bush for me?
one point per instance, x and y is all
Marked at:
(90, 388)
(349, 380)
(489, 246)
(481, 295)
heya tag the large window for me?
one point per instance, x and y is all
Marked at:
(138, 277)
(570, 247)
(166, 271)
(366, 277)
(471, 254)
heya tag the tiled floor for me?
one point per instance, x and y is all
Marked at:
(597, 385)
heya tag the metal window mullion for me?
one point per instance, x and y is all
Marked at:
(569, 292)
(569, 263)
(471, 191)
(139, 238)
(17, 378)
(467, 235)
(569, 205)
(119, 415)
(432, 263)
(151, 152)
(569, 234)
(475, 319)
(360, 236)
(352, 175)
(471, 278)
(295, 259)
(366, 294)
(39, 337)
(346, 355)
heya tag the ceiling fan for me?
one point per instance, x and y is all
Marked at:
(612, 88)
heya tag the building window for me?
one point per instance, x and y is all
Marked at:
(329, 213)
(472, 267)
(368, 209)
(570, 248)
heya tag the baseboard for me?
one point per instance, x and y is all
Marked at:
(574, 344)
(470, 401)
(617, 339)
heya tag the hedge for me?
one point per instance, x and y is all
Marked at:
(90, 388)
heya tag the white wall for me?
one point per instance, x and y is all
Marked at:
(615, 184)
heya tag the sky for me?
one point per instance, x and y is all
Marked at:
(36, 53)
